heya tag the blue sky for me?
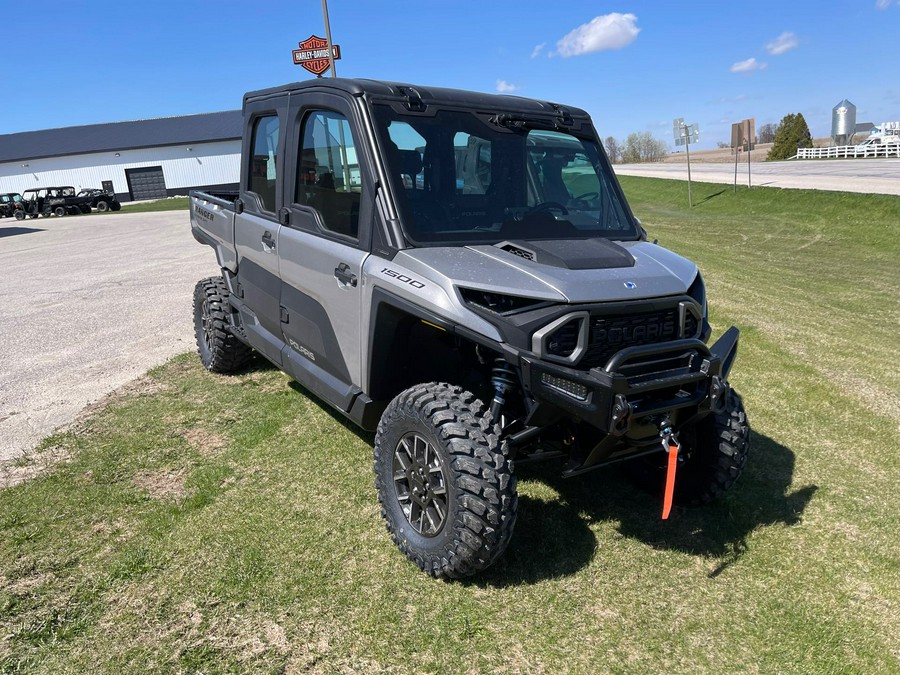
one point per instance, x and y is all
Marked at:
(633, 64)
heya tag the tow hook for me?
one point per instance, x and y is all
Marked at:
(672, 447)
(621, 416)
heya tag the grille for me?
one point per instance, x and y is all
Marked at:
(610, 334)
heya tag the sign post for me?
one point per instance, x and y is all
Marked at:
(743, 137)
(685, 134)
(331, 56)
(736, 149)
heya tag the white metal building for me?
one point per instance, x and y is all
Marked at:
(143, 159)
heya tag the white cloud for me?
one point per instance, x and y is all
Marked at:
(610, 31)
(505, 87)
(782, 44)
(537, 50)
(884, 4)
(747, 66)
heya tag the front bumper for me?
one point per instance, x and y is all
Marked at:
(636, 385)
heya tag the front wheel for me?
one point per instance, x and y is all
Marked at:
(713, 455)
(115, 206)
(447, 491)
(220, 351)
(59, 211)
(102, 206)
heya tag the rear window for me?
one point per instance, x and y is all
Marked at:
(264, 160)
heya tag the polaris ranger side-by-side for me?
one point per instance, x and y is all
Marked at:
(461, 273)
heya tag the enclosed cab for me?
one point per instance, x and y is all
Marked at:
(461, 273)
(11, 205)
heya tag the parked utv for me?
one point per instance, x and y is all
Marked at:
(462, 274)
(11, 206)
(102, 200)
(44, 202)
(75, 203)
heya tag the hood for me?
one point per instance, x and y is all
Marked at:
(655, 272)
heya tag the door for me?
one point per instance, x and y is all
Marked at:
(146, 183)
(256, 228)
(322, 249)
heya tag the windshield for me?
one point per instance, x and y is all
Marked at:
(461, 179)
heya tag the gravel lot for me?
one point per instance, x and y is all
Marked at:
(878, 176)
(87, 304)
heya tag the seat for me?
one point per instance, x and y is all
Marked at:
(409, 164)
(554, 186)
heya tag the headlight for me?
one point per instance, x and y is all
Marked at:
(564, 340)
(498, 302)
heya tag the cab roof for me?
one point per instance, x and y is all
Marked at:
(399, 91)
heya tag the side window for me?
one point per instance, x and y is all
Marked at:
(263, 171)
(473, 163)
(328, 175)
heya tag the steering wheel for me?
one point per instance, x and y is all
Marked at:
(549, 206)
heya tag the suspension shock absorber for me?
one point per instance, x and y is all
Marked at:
(504, 379)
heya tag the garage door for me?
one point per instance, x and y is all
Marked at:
(146, 183)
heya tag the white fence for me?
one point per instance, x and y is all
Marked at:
(850, 151)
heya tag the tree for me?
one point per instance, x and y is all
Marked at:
(792, 133)
(613, 149)
(642, 147)
(767, 133)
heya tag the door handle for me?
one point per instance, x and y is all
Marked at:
(343, 274)
(268, 242)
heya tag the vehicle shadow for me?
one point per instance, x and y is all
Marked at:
(13, 231)
(367, 437)
(554, 538)
(712, 196)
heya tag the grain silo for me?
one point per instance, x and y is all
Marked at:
(843, 122)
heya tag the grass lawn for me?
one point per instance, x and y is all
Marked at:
(204, 523)
(171, 204)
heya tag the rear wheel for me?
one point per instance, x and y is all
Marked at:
(220, 351)
(102, 206)
(447, 491)
(115, 206)
(713, 455)
(60, 211)
(20, 215)
(85, 208)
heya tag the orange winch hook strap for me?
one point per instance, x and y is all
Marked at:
(670, 478)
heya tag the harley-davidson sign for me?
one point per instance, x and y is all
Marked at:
(313, 54)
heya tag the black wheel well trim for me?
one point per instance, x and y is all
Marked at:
(380, 334)
(383, 298)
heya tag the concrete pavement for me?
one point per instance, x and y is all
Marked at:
(87, 304)
(875, 176)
